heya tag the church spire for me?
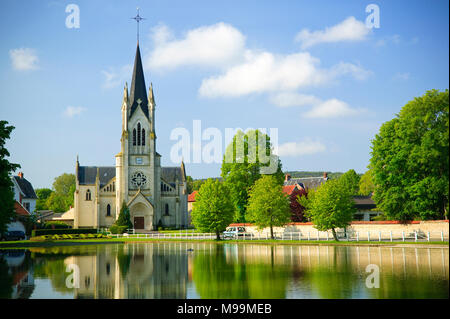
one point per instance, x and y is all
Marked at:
(138, 94)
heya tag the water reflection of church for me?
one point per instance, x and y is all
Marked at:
(132, 271)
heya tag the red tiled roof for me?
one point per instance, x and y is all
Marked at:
(191, 196)
(20, 210)
(288, 189)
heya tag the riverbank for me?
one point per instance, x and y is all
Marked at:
(54, 243)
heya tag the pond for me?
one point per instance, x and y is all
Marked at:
(226, 270)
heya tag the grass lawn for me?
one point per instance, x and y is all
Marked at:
(27, 243)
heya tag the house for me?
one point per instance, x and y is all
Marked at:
(24, 192)
(306, 183)
(24, 202)
(365, 208)
(191, 201)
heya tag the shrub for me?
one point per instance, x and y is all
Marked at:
(39, 232)
(56, 225)
(115, 229)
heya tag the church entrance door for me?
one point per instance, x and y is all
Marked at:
(139, 223)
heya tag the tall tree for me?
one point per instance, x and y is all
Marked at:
(331, 206)
(42, 195)
(213, 209)
(62, 197)
(366, 186)
(268, 206)
(7, 212)
(246, 157)
(410, 160)
(350, 180)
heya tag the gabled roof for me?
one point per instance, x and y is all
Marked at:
(88, 174)
(288, 189)
(20, 210)
(137, 90)
(306, 182)
(25, 187)
(171, 174)
(191, 196)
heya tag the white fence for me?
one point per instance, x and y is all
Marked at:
(371, 236)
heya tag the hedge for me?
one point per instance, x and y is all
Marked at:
(40, 232)
(68, 236)
(56, 225)
(114, 229)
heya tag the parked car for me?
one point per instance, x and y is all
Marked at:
(234, 232)
(14, 235)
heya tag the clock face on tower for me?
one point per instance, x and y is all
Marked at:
(138, 179)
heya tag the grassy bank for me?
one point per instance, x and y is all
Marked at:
(27, 243)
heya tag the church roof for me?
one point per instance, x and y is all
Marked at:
(87, 174)
(171, 174)
(137, 90)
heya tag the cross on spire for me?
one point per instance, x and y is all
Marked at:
(138, 18)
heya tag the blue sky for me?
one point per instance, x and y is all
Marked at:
(312, 69)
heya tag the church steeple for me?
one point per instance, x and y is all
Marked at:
(138, 94)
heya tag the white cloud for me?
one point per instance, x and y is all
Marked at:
(286, 99)
(24, 59)
(116, 76)
(332, 108)
(388, 39)
(216, 45)
(348, 30)
(265, 72)
(402, 76)
(71, 111)
(305, 147)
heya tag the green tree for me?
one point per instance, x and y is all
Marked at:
(268, 206)
(366, 186)
(189, 181)
(213, 209)
(350, 180)
(124, 218)
(410, 160)
(42, 195)
(7, 212)
(61, 198)
(246, 157)
(331, 206)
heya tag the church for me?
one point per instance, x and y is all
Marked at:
(156, 196)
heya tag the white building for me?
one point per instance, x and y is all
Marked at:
(155, 195)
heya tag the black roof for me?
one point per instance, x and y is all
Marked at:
(364, 202)
(25, 187)
(138, 90)
(88, 174)
(171, 174)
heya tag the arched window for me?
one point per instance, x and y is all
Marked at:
(88, 195)
(167, 210)
(143, 136)
(108, 210)
(134, 137)
(139, 134)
